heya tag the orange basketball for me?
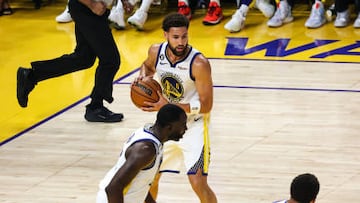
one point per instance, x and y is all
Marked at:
(145, 90)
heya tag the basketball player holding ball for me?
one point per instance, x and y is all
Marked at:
(185, 77)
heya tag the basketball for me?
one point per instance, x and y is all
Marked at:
(145, 90)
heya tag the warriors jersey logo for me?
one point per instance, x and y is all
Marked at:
(173, 88)
(162, 62)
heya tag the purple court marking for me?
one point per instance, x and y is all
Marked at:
(271, 88)
(56, 114)
(43, 121)
(118, 81)
(287, 88)
(283, 60)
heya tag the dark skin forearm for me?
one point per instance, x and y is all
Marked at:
(113, 194)
(138, 156)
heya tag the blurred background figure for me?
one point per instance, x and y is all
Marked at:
(283, 13)
(343, 13)
(5, 8)
(237, 21)
(65, 16)
(317, 15)
(213, 16)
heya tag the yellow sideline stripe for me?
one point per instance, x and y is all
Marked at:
(206, 143)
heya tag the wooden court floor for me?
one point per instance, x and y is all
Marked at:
(286, 102)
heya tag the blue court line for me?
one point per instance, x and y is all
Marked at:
(284, 60)
(118, 81)
(287, 88)
(43, 121)
(272, 88)
(269, 88)
(58, 113)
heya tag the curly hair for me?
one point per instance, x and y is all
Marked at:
(169, 113)
(174, 20)
(304, 188)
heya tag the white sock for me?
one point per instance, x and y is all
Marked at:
(244, 9)
(145, 5)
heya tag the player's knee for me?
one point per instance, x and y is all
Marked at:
(86, 61)
(198, 183)
(110, 64)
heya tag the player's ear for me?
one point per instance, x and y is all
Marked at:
(169, 126)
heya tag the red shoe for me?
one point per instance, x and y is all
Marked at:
(214, 14)
(184, 9)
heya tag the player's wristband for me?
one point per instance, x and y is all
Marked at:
(195, 107)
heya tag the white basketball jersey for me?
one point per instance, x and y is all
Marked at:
(137, 190)
(176, 79)
(178, 86)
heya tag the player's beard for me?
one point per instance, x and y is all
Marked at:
(177, 53)
(175, 136)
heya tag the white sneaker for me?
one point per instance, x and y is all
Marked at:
(265, 7)
(342, 19)
(117, 17)
(282, 15)
(357, 22)
(237, 21)
(64, 17)
(138, 19)
(317, 16)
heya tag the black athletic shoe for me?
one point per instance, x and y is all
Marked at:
(102, 114)
(24, 86)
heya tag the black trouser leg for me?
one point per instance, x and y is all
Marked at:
(357, 6)
(93, 39)
(342, 5)
(97, 34)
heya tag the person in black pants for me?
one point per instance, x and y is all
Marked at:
(343, 15)
(283, 13)
(93, 39)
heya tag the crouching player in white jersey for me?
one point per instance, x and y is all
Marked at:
(130, 179)
(185, 76)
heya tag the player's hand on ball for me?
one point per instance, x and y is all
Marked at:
(145, 89)
(155, 106)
